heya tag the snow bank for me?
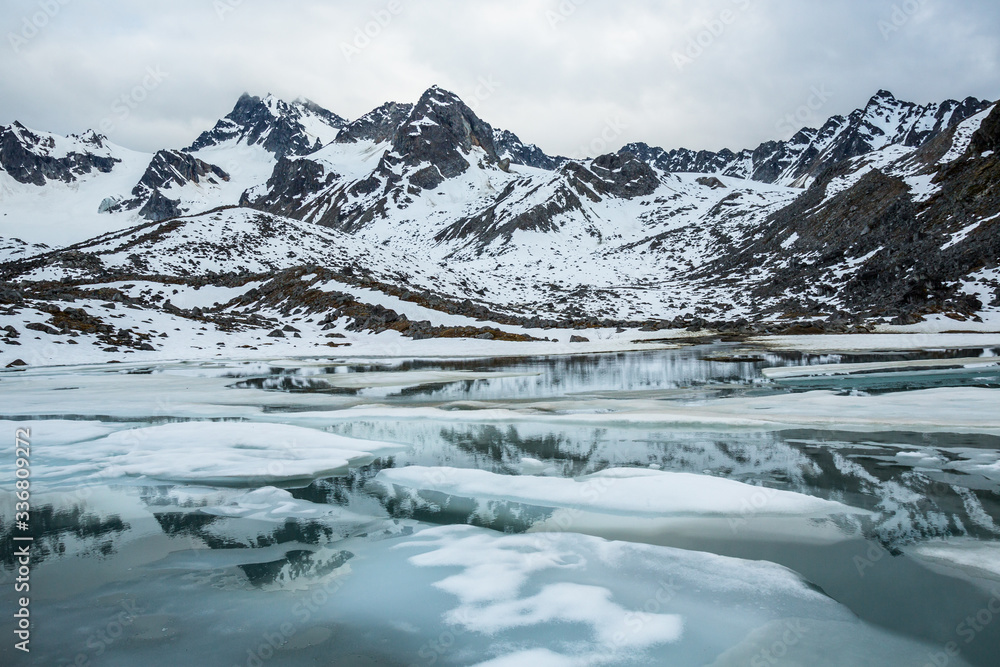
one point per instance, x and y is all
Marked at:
(848, 369)
(629, 492)
(951, 409)
(222, 453)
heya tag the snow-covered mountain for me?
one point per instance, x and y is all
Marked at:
(884, 121)
(39, 157)
(282, 128)
(892, 217)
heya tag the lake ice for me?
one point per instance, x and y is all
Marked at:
(679, 507)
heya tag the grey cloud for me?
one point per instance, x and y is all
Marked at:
(559, 72)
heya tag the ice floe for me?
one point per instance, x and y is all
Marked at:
(221, 453)
(640, 492)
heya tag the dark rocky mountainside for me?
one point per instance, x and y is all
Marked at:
(510, 147)
(279, 127)
(439, 139)
(904, 247)
(378, 125)
(883, 122)
(168, 169)
(889, 214)
(35, 158)
(435, 142)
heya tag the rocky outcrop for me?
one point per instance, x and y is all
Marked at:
(377, 126)
(35, 159)
(875, 248)
(619, 175)
(494, 223)
(987, 137)
(884, 121)
(277, 126)
(292, 177)
(159, 207)
(168, 169)
(510, 147)
(437, 140)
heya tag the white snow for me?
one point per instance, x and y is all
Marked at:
(963, 135)
(211, 452)
(927, 339)
(628, 492)
(978, 557)
(847, 369)
(59, 214)
(956, 410)
(963, 233)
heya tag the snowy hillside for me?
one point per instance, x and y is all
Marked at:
(883, 122)
(428, 208)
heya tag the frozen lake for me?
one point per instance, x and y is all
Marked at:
(712, 505)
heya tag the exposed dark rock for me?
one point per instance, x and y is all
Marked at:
(621, 175)
(987, 137)
(28, 158)
(271, 123)
(905, 266)
(378, 125)
(810, 151)
(167, 169)
(160, 207)
(440, 130)
(44, 328)
(487, 225)
(509, 146)
(291, 179)
(711, 182)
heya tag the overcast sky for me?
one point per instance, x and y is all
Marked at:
(566, 75)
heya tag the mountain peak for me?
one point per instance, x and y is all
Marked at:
(37, 157)
(883, 99)
(279, 127)
(443, 131)
(438, 95)
(378, 125)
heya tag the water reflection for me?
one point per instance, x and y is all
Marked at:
(919, 486)
(295, 565)
(58, 531)
(715, 370)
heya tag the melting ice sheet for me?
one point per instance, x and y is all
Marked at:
(453, 595)
(299, 512)
(624, 492)
(612, 603)
(207, 452)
